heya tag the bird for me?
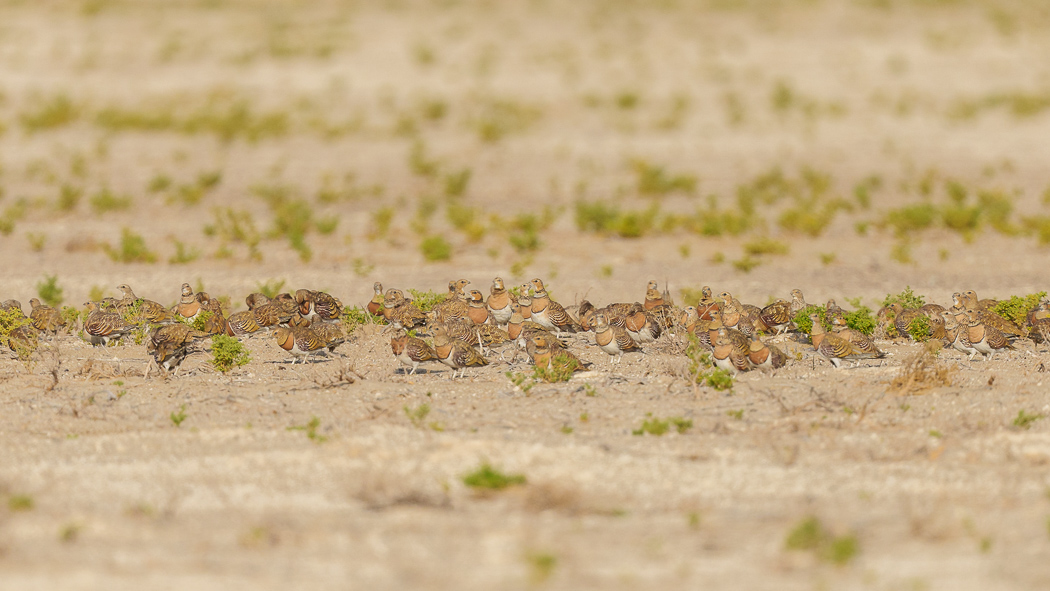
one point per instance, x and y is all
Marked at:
(641, 326)
(903, 317)
(400, 312)
(189, 306)
(798, 302)
(585, 315)
(13, 307)
(498, 302)
(546, 312)
(211, 312)
(545, 356)
(956, 335)
(972, 301)
(986, 339)
(286, 303)
(45, 318)
(242, 323)
(524, 301)
(300, 342)
(833, 347)
(330, 332)
(729, 353)
(168, 345)
(454, 304)
(23, 340)
(375, 305)
(653, 297)
(256, 299)
(765, 356)
(102, 327)
(477, 310)
(455, 353)
(318, 304)
(707, 306)
(858, 340)
(142, 309)
(411, 351)
(776, 316)
(270, 314)
(614, 340)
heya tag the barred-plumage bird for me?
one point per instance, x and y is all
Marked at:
(765, 356)
(776, 316)
(549, 313)
(400, 312)
(835, 348)
(455, 353)
(477, 311)
(729, 352)
(189, 305)
(330, 332)
(102, 327)
(985, 338)
(613, 340)
(169, 344)
(45, 318)
(299, 342)
(242, 323)
(147, 310)
(411, 351)
(318, 304)
(642, 326)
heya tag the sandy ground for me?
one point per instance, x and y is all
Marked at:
(101, 489)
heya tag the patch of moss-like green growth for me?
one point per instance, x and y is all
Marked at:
(1016, 308)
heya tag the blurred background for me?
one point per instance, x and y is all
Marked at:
(849, 146)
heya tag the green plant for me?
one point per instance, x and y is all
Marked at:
(746, 263)
(680, 424)
(426, 300)
(418, 414)
(919, 328)
(49, 291)
(177, 417)
(906, 298)
(131, 249)
(764, 245)
(803, 322)
(654, 180)
(36, 241)
(436, 248)
(702, 370)
(736, 414)
(652, 426)
(487, 477)
(811, 536)
(18, 503)
(311, 428)
(50, 113)
(456, 183)
(270, 288)
(68, 197)
(561, 369)
(1025, 420)
(1017, 307)
(498, 118)
(521, 380)
(911, 218)
(227, 353)
(105, 201)
(382, 218)
(861, 318)
(235, 226)
(542, 566)
(184, 254)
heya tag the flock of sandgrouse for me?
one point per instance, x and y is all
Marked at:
(468, 328)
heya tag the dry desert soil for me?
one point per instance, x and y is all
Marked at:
(847, 148)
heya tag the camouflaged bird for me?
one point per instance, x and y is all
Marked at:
(14, 306)
(776, 317)
(23, 340)
(401, 313)
(550, 314)
(411, 351)
(642, 326)
(729, 353)
(102, 327)
(613, 340)
(903, 317)
(524, 301)
(318, 304)
(453, 306)
(330, 332)
(986, 339)
(256, 299)
(45, 318)
(242, 323)
(168, 345)
(270, 314)
(499, 302)
(798, 303)
(455, 353)
(299, 342)
(286, 303)
(375, 305)
(142, 309)
(765, 356)
(544, 356)
(833, 347)
(956, 335)
(858, 340)
(708, 306)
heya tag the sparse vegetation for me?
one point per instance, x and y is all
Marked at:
(436, 248)
(487, 477)
(921, 372)
(228, 353)
(1016, 308)
(811, 536)
(1025, 420)
(131, 249)
(310, 428)
(49, 292)
(177, 417)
